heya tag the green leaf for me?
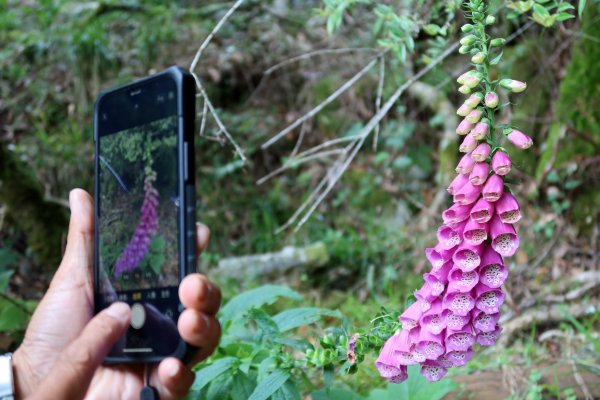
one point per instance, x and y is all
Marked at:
(541, 11)
(4, 280)
(156, 262)
(564, 7)
(295, 317)
(12, 318)
(289, 391)
(242, 386)
(334, 393)
(580, 7)
(267, 294)
(270, 385)
(431, 29)
(496, 59)
(265, 325)
(207, 374)
(7, 258)
(416, 387)
(564, 16)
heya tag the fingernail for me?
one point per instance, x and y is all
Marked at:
(119, 311)
(203, 289)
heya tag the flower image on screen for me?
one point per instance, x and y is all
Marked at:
(138, 246)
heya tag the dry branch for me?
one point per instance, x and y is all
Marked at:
(262, 265)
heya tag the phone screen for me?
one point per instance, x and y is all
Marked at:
(138, 214)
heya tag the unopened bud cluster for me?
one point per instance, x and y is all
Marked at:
(459, 304)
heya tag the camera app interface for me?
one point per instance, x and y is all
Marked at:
(138, 215)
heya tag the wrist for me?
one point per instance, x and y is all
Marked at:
(21, 374)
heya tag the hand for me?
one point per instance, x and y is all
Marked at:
(63, 348)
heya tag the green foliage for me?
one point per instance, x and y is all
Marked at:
(544, 12)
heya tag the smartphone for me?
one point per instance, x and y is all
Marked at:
(145, 233)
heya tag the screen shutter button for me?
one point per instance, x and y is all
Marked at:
(138, 316)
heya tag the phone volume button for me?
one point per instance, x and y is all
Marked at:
(185, 162)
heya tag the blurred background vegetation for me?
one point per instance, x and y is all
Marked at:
(56, 55)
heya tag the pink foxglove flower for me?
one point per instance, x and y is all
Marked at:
(460, 340)
(473, 100)
(459, 303)
(489, 338)
(519, 139)
(478, 58)
(465, 165)
(461, 281)
(479, 173)
(468, 194)
(487, 299)
(433, 371)
(411, 316)
(457, 183)
(483, 322)
(457, 213)
(482, 211)
(513, 85)
(493, 188)
(464, 127)
(474, 116)
(491, 100)
(468, 144)
(508, 209)
(433, 320)
(455, 321)
(461, 79)
(460, 358)
(449, 237)
(481, 129)
(464, 110)
(492, 271)
(387, 362)
(504, 238)
(481, 152)
(403, 349)
(475, 233)
(430, 345)
(139, 244)
(438, 256)
(501, 163)
(467, 257)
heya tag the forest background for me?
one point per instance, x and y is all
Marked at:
(359, 255)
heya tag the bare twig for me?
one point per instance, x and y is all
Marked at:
(328, 143)
(311, 54)
(207, 103)
(378, 99)
(203, 121)
(322, 105)
(297, 162)
(299, 141)
(336, 171)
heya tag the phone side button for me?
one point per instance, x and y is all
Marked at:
(185, 162)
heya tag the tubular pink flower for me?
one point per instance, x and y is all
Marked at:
(467, 257)
(459, 303)
(442, 273)
(468, 194)
(475, 233)
(413, 339)
(387, 362)
(481, 152)
(492, 271)
(433, 371)
(430, 345)
(437, 256)
(457, 183)
(520, 139)
(432, 320)
(472, 81)
(411, 316)
(445, 361)
(482, 211)
(481, 129)
(464, 127)
(501, 163)
(449, 237)
(513, 85)
(463, 110)
(457, 213)
(484, 322)
(455, 321)
(461, 281)
(468, 144)
(473, 100)
(478, 58)
(504, 238)
(493, 188)
(489, 338)
(479, 173)
(460, 358)
(465, 165)
(474, 116)
(437, 286)
(425, 296)
(460, 340)
(508, 209)
(401, 377)
(488, 300)
(491, 100)
(403, 349)
(461, 79)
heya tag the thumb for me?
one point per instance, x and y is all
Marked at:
(77, 260)
(72, 373)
